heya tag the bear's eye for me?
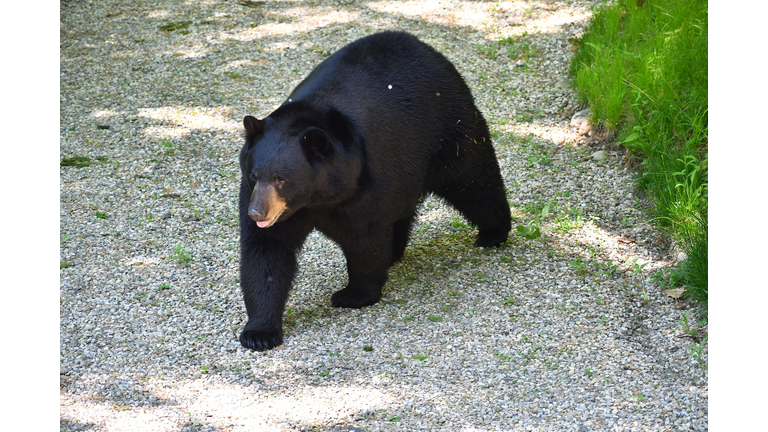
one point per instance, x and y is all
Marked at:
(279, 181)
(254, 176)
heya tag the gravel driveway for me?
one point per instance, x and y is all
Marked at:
(565, 332)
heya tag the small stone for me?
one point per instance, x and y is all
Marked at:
(167, 215)
(580, 117)
(599, 156)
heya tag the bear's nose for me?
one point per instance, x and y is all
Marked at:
(255, 214)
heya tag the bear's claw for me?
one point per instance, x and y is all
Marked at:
(261, 340)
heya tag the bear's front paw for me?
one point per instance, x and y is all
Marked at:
(353, 298)
(261, 340)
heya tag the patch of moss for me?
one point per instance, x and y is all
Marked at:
(178, 26)
(77, 161)
(83, 161)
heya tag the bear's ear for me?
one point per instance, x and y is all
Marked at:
(316, 144)
(253, 126)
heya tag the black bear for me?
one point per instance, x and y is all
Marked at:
(375, 127)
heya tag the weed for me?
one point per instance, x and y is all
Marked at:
(525, 117)
(434, 318)
(163, 286)
(568, 219)
(502, 357)
(420, 357)
(488, 51)
(531, 230)
(101, 215)
(668, 277)
(167, 145)
(637, 268)
(509, 301)
(565, 223)
(531, 354)
(181, 256)
(367, 348)
(697, 351)
(607, 269)
(320, 51)
(458, 223)
(580, 266)
(589, 372)
(64, 264)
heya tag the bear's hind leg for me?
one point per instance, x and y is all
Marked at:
(477, 192)
(400, 234)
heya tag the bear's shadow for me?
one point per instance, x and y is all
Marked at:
(437, 247)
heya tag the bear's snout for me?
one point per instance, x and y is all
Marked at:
(266, 205)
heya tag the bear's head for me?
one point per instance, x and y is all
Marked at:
(297, 158)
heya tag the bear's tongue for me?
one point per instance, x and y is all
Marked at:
(266, 223)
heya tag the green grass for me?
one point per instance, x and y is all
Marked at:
(642, 68)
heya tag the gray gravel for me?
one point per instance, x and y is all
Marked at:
(567, 332)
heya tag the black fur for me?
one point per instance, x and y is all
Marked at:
(375, 127)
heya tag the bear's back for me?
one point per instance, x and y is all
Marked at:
(395, 87)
